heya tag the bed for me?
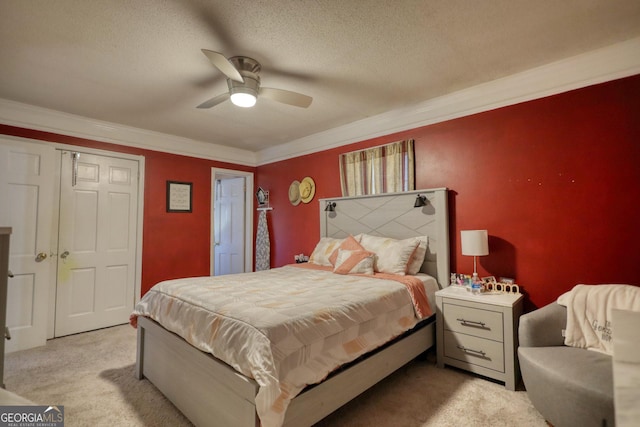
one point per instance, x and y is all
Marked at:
(211, 392)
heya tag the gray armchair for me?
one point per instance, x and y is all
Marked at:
(568, 386)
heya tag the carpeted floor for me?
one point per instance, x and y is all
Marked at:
(92, 375)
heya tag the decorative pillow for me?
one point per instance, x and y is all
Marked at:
(417, 257)
(392, 256)
(354, 262)
(323, 251)
(349, 244)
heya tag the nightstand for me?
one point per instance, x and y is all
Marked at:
(479, 333)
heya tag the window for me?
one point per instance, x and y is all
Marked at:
(384, 169)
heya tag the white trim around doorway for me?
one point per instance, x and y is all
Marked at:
(220, 173)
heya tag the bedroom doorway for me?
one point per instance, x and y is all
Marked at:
(231, 222)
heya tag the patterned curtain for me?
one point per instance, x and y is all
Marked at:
(388, 168)
(263, 244)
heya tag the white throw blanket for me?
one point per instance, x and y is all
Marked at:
(589, 313)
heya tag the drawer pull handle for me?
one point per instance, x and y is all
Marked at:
(466, 322)
(470, 350)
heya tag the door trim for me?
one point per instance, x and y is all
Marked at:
(54, 240)
(220, 173)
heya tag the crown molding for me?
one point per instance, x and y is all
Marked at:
(598, 66)
(43, 119)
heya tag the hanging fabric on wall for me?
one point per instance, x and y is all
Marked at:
(388, 168)
(263, 245)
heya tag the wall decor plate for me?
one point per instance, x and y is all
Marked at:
(307, 189)
(294, 193)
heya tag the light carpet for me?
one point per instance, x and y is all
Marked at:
(92, 376)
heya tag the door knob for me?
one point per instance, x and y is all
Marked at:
(64, 254)
(41, 257)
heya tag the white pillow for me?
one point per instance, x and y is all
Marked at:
(354, 262)
(417, 258)
(323, 251)
(392, 255)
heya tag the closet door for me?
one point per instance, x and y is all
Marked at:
(26, 205)
(97, 242)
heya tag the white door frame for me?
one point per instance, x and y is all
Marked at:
(220, 173)
(54, 242)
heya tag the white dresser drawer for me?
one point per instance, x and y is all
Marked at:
(474, 321)
(476, 351)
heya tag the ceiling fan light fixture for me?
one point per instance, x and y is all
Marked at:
(244, 100)
(244, 94)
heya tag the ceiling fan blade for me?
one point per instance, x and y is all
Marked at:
(286, 97)
(214, 101)
(223, 64)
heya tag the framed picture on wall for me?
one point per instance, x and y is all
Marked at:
(179, 196)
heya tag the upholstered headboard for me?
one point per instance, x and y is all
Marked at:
(394, 215)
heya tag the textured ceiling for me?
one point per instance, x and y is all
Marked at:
(138, 63)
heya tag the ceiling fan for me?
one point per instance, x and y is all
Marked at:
(243, 80)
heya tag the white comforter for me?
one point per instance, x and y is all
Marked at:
(286, 327)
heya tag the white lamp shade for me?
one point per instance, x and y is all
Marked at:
(475, 242)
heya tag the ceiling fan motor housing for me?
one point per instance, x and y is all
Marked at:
(248, 69)
(251, 85)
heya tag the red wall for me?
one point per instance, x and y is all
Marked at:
(555, 181)
(174, 244)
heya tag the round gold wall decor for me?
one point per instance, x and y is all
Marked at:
(307, 189)
(294, 193)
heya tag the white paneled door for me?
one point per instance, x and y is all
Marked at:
(26, 205)
(87, 280)
(229, 226)
(97, 242)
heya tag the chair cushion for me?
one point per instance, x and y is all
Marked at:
(569, 386)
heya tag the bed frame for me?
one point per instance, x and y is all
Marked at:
(209, 392)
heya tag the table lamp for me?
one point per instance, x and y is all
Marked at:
(474, 243)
